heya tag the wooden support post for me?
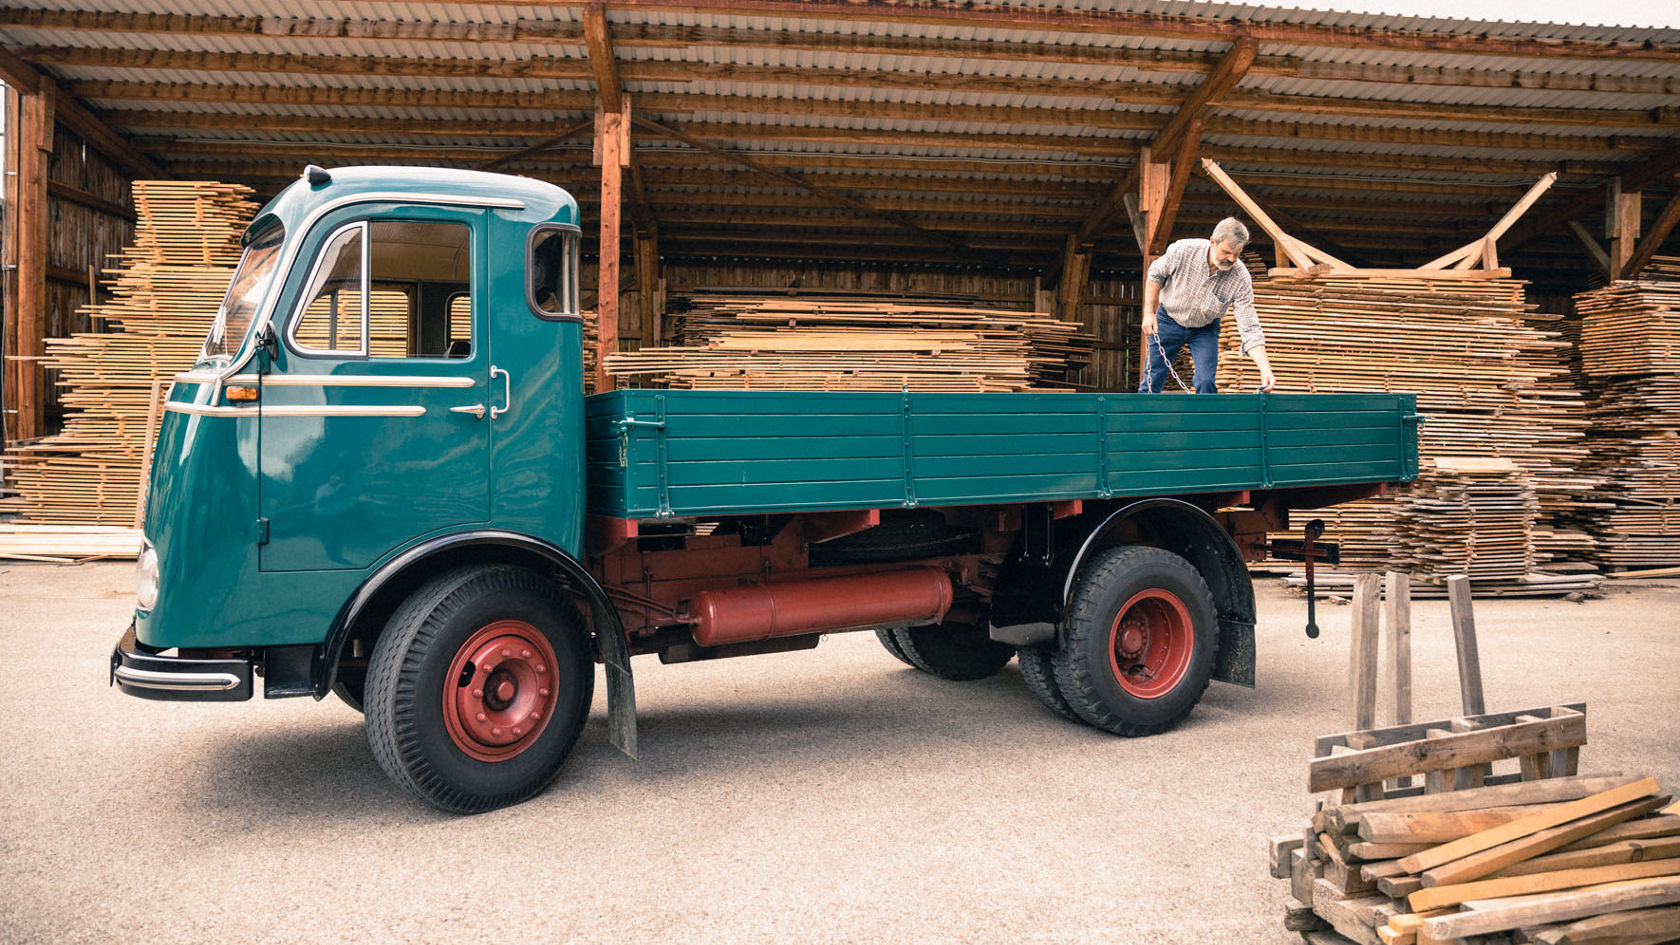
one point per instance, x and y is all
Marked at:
(1464, 635)
(8, 273)
(647, 286)
(611, 131)
(1399, 598)
(1362, 659)
(1070, 291)
(35, 133)
(1621, 227)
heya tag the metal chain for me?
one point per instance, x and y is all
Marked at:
(1167, 361)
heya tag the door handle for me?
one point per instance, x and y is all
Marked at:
(507, 391)
(476, 410)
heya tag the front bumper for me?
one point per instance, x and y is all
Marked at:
(149, 675)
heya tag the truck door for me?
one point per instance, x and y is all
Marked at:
(375, 422)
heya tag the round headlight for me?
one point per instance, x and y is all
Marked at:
(146, 577)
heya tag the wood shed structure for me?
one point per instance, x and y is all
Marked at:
(1031, 153)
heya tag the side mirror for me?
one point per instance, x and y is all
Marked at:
(268, 348)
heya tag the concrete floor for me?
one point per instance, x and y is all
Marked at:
(825, 796)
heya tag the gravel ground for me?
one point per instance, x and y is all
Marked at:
(824, 796)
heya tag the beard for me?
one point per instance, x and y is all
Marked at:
(1224, 265)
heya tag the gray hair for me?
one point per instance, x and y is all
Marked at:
(1231, 230)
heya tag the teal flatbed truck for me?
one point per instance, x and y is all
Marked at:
(382, 480)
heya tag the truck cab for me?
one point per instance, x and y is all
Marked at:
(382, 481)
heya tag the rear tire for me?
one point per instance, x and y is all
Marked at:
(1142, 632)
(1038, 671)
(889, 639)
(951, 650)
(478, 688)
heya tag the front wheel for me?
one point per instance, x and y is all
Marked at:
(478, 688)
(1142, 632)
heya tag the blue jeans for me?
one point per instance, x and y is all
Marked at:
(1204, 349)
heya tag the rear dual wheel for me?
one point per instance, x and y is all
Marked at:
(955, 650)
(478, 688)
(1142, 630)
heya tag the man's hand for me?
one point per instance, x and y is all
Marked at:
(1268, 380)
(1150, 326)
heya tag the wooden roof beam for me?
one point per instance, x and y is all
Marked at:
(794, 180)
(1162, 25)
(609, 89)
(1660, 228)
(1128, 94)
(1660, 167)
(550, 32)
(1224, 77)
(75, 116)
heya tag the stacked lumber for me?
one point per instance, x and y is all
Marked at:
(1630, 355)
(65, 543)
(1565, 860)
(740, 342)
(1491, 377)
(166, 292)
(1537, 854)
(1471, 517)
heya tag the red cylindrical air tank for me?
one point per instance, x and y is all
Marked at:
(761, 611)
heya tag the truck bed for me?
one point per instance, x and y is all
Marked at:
(667, 453)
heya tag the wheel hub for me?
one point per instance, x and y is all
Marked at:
(504, 692)
(1151, 643)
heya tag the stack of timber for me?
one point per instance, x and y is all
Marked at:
(1630, 354)
(166, 292)
(1469, 516)
(1539, 854)
(1491, 377)
(740, 342)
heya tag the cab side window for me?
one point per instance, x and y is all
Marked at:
(390, 289)
(553, 272)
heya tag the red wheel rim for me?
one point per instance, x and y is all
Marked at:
(501, 691)
(1150, 644)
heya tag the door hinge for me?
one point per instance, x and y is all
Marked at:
(262, 531)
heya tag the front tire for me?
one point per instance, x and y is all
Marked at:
(1142, 632)
(478, 688)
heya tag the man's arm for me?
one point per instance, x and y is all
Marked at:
(1151, 301)
(1253, 339)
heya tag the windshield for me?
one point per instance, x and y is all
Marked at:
(245, 295)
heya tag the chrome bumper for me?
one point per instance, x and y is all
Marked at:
(153, 676)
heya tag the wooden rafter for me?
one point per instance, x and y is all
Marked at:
(1166, 26)
(1660, 228)
(1481, 251)
(1124, 93)
(20, 75)
(1182, 165)
(1208, 94)
(1659, 167)
(539, 147)
(794, 180)
(654, 35)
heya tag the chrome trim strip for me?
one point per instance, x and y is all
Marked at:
(351, 380)
(300, 410)
(199, 377)
(177, 682)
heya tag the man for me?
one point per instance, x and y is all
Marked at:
(1186, 293)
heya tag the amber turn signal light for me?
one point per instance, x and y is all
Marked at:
(242, 393)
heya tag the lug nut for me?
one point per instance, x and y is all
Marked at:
(482, 716)
(525, 653)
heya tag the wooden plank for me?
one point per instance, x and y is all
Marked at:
(1635, 927)
(1489, 861)
(1464, 636)
(1558, 908)
(1454, 750)
(1436, 827)
(1350, 817)
(1561, 814)
(1438, 897)
(1362, 666)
